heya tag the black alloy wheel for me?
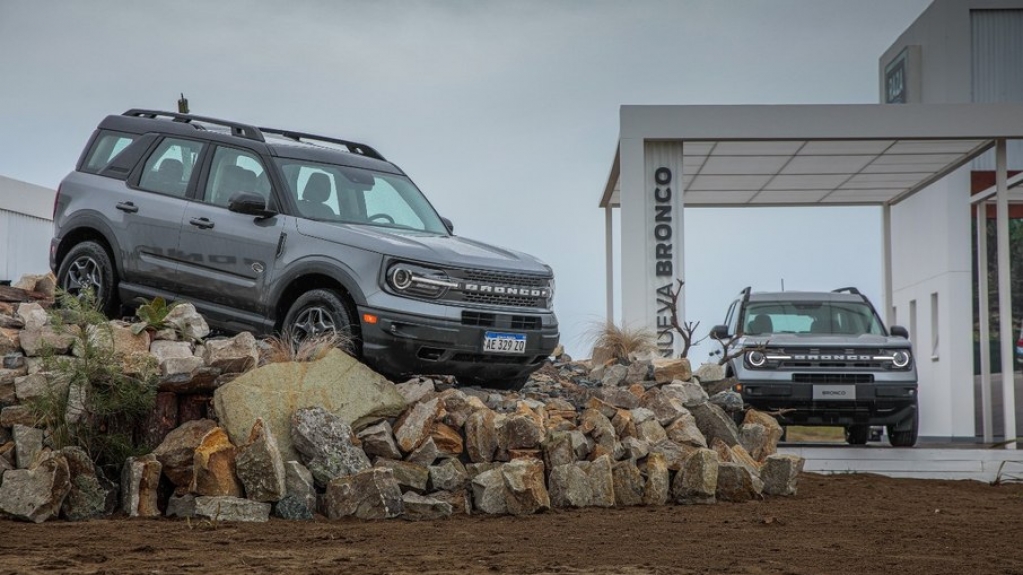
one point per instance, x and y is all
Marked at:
(87, 267)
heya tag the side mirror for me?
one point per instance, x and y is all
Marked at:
(447, 224)
(899, 331)
(719, 332)
(250, 203)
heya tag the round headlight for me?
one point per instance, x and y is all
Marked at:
(401, 278)
(756, 358)
(900, 358)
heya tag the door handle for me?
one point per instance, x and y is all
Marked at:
(201, 223)
(129, 207)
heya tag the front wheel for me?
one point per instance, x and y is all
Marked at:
(857, 434)
(88, 267)
(318, 313)
(907, 437)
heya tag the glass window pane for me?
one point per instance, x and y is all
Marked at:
(105, 149)
(234, 171)
(169, 168)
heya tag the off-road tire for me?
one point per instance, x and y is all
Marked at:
(88, 265)
(857, 434)
(320, 311)
(904, 438)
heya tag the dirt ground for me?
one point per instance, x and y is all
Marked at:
(837, 524)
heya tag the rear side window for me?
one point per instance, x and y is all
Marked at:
(105, 148)
(169, 168)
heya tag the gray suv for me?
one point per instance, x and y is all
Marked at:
(822, 358)
(276, 231)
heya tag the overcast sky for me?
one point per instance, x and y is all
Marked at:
(504, 113)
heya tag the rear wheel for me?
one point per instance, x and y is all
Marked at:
(320, 313)
(88, 267)
(907, 437)
(857, 434)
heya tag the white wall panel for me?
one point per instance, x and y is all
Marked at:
(24, 245)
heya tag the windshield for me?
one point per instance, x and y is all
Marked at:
(835, 318)
(344, 194)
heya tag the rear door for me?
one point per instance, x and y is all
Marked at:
(153, 212)
(227, 257)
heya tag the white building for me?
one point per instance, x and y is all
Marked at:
(957, 75)
(957, 51)
(26, 226)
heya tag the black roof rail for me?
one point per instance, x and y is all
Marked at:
(356, 147)
(238, 129)
(849, 289)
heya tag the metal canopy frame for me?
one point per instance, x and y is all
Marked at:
(834, 155)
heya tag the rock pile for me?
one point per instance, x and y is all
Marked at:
(331, 437)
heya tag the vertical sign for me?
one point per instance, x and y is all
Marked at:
(895, 80)
(663, 239)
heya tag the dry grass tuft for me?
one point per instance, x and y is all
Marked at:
(283, 349)
(621, 342)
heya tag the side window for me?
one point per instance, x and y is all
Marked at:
(104, 149)
(169, 168)
(234, 171)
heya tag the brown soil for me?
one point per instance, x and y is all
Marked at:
(837, 524)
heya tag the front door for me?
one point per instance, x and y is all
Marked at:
(227, 258)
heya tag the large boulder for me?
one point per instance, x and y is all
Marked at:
(35, 342)
(527, 493)
(176, 453)
(522, 430)
(697, 482)
(214, 466)
(666, 405)
(780, 474)
(736, 483)
(449, 475)
(448, 440)
(481, 436)
(415, 425)
(35, 494)
(325, 442)
(684, 431)
(628, 483)
(28, 443)
(88, 496)
(713, 423)
(760, 434)
(234, 355)
(489, 492)
(657, 488)
(227, 508)
(422, 508)
(187, 322)
(299, 485)
(139, 481)
(260, 467)
(338, 383)
(378, 441)
(410, 476)
(369, 494)
(667, 370)
(569, 486)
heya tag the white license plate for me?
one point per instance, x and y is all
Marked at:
(497, 342)
(834, 392)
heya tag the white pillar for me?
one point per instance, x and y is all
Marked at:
(1004, 295)
(886, 258)
(609, 263)
(984, 311)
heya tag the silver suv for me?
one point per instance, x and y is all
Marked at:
(276, 231)
(822, 358)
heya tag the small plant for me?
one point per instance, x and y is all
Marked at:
(91, 402)
(622, 342)
(286, 349)
(152, 314)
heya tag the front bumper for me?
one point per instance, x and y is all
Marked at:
(861, 403)
(401, 344)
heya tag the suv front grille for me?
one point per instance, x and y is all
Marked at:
(498, 282)
(832, 378)
(848, 358)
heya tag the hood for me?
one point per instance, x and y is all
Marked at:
(808, 340)
(424, 247)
